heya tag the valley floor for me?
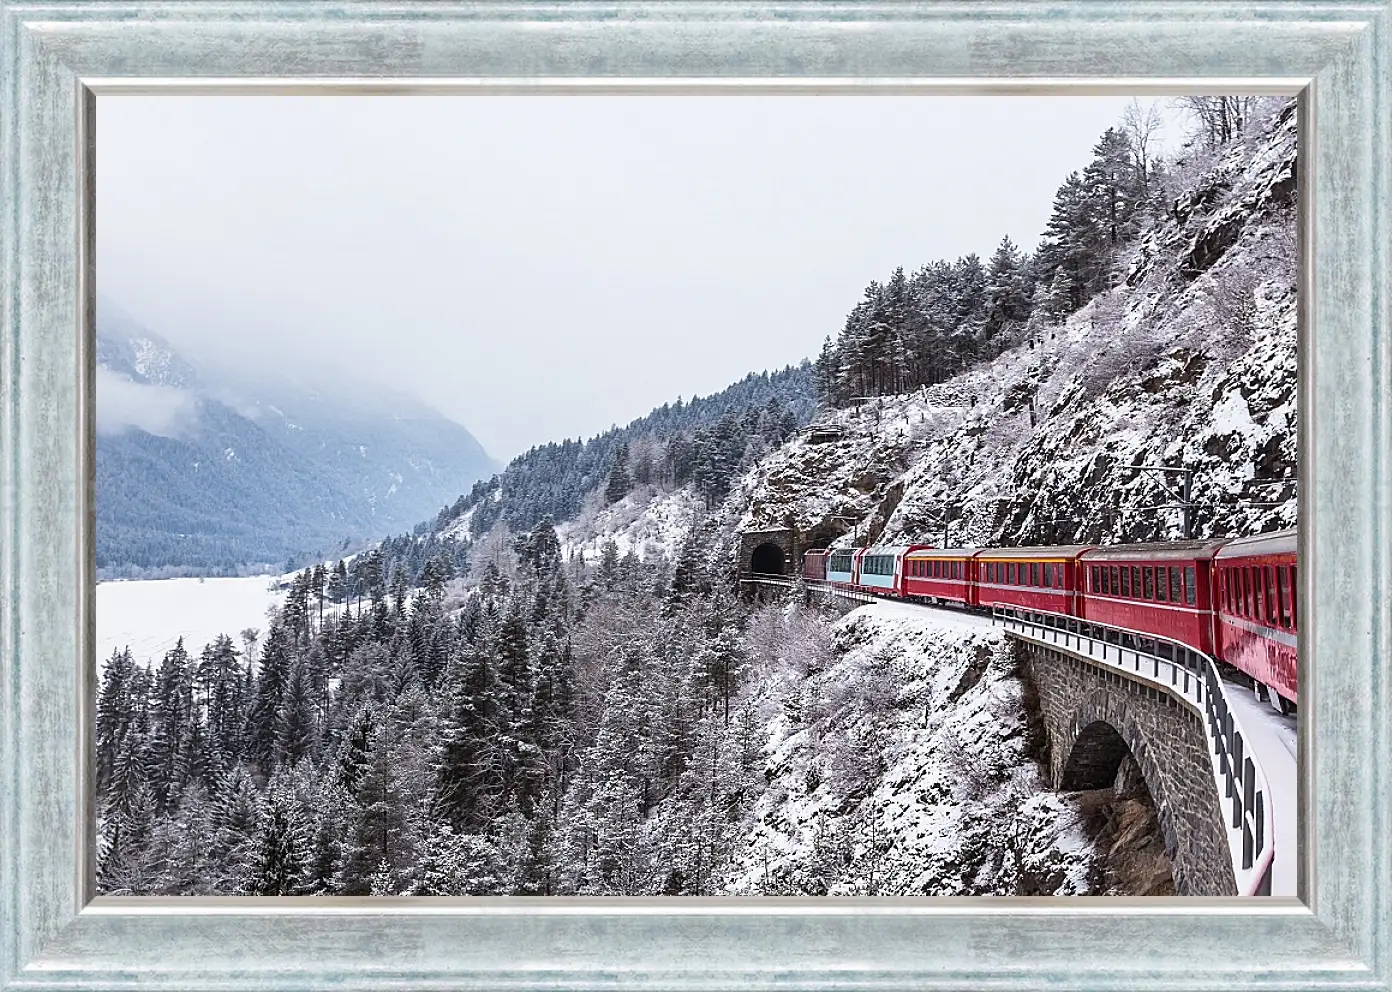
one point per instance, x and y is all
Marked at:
(150, 615)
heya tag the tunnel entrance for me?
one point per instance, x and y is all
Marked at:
(768, 559)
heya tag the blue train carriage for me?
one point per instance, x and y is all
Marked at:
(882, 569)
(841, 565)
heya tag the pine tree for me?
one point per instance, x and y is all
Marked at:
(619, 481)
(281, 862)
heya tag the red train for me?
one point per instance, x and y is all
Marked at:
(1233, 600)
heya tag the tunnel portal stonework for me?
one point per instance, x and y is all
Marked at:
(1094, 717)
(754, 550)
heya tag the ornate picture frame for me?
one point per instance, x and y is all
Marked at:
(57, 58)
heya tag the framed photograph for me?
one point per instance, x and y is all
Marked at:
(695, 495)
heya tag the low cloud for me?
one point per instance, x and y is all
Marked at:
(162, 410)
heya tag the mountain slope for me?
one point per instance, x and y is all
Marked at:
(201, 470)
(697, 446)
(1190, 363)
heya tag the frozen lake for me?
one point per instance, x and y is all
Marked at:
(150, 615)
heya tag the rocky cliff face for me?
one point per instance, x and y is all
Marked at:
(1189, 362)
(904, 764)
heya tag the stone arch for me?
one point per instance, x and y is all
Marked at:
(1095, 758)
(1168, 748)
(769, 559)
(1100, 736)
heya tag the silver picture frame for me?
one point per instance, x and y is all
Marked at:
(58, 58)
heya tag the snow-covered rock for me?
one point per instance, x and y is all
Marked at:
(905, 767)
(1190, 362)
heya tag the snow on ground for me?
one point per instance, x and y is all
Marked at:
(150, 615)
(902, 768)
(647, 521)
(1271, 741)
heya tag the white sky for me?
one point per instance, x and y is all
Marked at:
(544, 267)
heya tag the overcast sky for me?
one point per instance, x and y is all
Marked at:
(544, 267)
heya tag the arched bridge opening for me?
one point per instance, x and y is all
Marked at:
(1119, 811)
(1095, 759)
(769, 559)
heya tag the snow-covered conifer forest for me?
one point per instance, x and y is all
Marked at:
(555, 687)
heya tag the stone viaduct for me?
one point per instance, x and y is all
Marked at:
(1096, 716)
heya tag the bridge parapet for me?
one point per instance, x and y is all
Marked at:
(1213, 801)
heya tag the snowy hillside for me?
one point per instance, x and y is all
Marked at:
(903, 767)
(1189, 362)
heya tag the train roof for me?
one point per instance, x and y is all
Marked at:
(944, 553)
(817, 551)
(1156, 551)
(1277, 542)
(893, 549)
(1039, 554)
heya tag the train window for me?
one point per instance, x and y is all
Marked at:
(1126, 582)
(1112, 581)
(1035, 573)
(1248, 601)
(1148, 583)
(1269, 588)
(1049, 576)
(1136, 581)
(1189, 584)
(1284, 597)
(1293, 597)
(1175, 585)
(1162, 589)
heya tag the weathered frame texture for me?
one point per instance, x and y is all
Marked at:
(56, 56)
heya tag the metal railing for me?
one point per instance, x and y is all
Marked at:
(1193, 677)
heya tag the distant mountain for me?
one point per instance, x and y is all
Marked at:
(206, 470)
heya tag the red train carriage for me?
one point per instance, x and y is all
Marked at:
(815, 564)
(1161, 588)
(939, 574)
(1044, 579)
(1255, 588)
